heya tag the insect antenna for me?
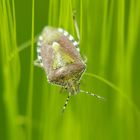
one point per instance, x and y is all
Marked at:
(76, 25)
(66, 102)
(92, 94)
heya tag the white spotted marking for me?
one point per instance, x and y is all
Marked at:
(78, 49)
(38, 50)
(40, 38)
(71, 38)
(39, 57)
(66, 33)
(60, 30)
(75, 43)
(39, 44)
(41, 64)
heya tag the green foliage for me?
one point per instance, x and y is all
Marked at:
(30, 107)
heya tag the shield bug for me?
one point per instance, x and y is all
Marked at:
(59, 55)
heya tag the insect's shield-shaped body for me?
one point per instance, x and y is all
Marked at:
(58, 54)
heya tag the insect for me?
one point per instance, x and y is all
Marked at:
(59, 55)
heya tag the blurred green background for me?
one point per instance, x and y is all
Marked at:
(30, 107)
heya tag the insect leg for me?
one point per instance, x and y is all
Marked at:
(66, 102)
(38, 63)
(76, 25)
(92, 94)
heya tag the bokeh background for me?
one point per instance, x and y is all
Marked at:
(30, 107)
